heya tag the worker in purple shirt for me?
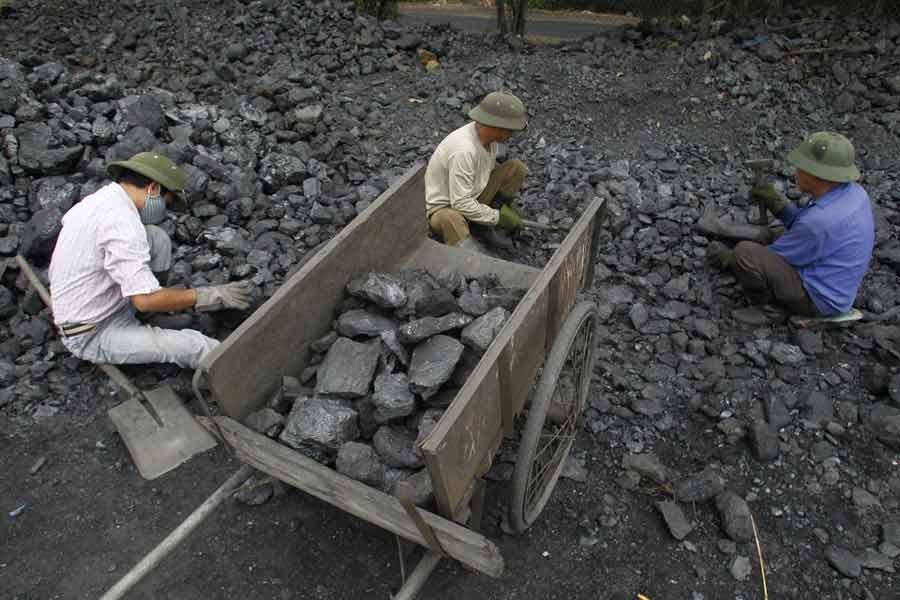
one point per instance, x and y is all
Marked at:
(816, 267)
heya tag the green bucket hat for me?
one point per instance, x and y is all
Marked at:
(158, 168)
(826, 155)
(502, 110)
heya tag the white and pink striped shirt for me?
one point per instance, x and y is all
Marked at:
(101, 258)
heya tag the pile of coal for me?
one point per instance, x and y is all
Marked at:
(376, 384)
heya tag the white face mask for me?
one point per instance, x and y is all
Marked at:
(154, 210)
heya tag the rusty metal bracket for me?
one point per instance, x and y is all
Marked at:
(412, 510)
(207, 412)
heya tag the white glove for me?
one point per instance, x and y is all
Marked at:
(237, 295)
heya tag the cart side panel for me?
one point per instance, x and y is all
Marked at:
(457, 451)
(523, 354)
(567, 281)
(246, 369)
(464, 451)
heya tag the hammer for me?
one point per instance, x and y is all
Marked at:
(759, 168)
(536, 225)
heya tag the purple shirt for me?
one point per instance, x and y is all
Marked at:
(830, 244)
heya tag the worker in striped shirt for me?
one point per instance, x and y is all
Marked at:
(105, 264)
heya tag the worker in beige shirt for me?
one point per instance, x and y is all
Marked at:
(463, 180)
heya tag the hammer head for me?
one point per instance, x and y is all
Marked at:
(760, 164)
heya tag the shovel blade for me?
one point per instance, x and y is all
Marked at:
(157, 449)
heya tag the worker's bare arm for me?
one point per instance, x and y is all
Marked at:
(164, 300)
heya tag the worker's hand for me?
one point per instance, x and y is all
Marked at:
(767, 193)
(509, 219)
(719, 255)
(237, 295)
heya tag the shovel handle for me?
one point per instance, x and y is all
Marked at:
(165, 547)
(117, 376)
(32, 278)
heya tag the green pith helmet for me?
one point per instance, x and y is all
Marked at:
(502, 110)
(826, 155)
(158, 168)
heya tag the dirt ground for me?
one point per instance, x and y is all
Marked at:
(89, 517)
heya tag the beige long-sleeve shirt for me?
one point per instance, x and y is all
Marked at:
(458, 172)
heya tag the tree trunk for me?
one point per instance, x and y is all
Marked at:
(519, 14)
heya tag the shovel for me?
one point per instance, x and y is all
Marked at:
(159, 432)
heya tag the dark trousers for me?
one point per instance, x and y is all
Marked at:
(768, 278)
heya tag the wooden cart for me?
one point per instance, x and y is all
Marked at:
(550, 334)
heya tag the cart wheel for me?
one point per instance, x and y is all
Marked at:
(553, 419)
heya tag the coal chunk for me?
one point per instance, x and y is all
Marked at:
(40, 233)
(418, 487)
(421, 329)
(379, 288)
(327, 422)
(362, 463)
(432, 364)
(143, 111)
(482, 331)
(392, 397)
(735, 514)
(844, 561)
(675, 520)
(359, 322)
(647, 465)
(265, 421)
(764, 441)
(389, 337)
(700, 487)
(38, 158)
(436, 303)
(278, 170)
(397, 447)
(348, 368)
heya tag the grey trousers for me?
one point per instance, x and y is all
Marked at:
(122, 339)
(767, 278)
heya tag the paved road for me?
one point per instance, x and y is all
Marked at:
(541, 24)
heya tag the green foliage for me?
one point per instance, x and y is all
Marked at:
(381, 9)
(725, 8)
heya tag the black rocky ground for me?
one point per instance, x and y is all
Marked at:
(292, 116)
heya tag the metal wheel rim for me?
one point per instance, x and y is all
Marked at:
(547, 464)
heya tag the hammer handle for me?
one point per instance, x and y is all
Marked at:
(758, 179)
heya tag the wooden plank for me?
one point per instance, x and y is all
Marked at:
(523, 355)
(414, 513)
(462, 445)
(434, 256)
(358, 499)
(566, 281)
(416, 581)
(246, 368)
